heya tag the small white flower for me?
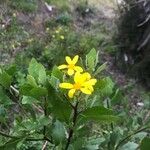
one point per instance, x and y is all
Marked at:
(140, 104)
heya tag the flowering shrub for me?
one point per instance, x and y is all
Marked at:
(40, 111)
(45, 112)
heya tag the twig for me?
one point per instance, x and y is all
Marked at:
(14, 89)
(38, 108)
(45, 144)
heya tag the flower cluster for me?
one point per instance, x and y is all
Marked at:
(82, 81)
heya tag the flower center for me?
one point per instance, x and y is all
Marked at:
(77, 86)
(71, 66)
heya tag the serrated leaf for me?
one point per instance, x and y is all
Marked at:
(4, 99)
(91, 59)
(57, 73)
(99, 113)
(100, 68)
(31, 81)
(37, 71)
(36, 92)
(129, 146)
(58, 132)
(54, 82)
(5, 79)
(104, 86)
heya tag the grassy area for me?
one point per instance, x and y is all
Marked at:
(57, 32)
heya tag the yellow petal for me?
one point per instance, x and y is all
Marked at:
(71, 93)
(66, 85)
(85, 91)
(77, 68)
(62, 66)
(88, 76)
(91, 88)
(70, 72)
(68, 60)
(90, 82)
(75, 59)
(77, 77)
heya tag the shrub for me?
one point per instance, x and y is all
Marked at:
(133, 38)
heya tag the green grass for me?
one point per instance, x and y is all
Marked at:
(12, 37)
(24, 5)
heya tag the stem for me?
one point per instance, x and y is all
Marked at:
(129, 136)
(45, 114)
(75, 115)
(108, 106)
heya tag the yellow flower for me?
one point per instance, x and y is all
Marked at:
(14, 14)
(82, 82)
(71, 65)
(47, 29)
(57, 31)
(62, 37)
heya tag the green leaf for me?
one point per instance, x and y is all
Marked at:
(91, 59)
(57, 73)
(130, 146)
(105, 86)
(44, 121)
(42, 75)
(11, 144)
(11, 70)
(5, 79)
(58, 132)
(4, 99)
(31, 81)
(37, 71)
(99, 113)
(61, 108)
(145, 144)
(100, 68)
(117, 97)
(35, 92)
(54, 82)
(28, 100)
(93, 143)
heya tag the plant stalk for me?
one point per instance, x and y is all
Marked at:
(75, 115)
